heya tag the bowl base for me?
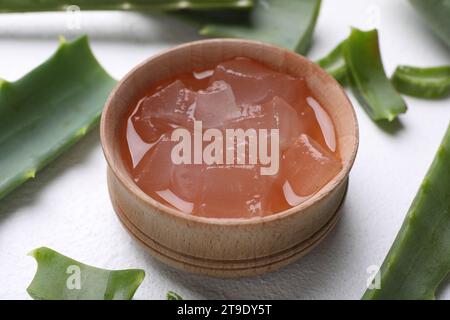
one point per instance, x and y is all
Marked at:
(234, 268)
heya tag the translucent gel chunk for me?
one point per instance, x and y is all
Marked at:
(275, 114)
(237, 94)
(173, 104)
(149, 129)
(154, 171)
(284, 118)
(325, 123)
(308, 167)
(186, 181)
(216, 104)
(254, 83)
(309, 122)
(234, 192)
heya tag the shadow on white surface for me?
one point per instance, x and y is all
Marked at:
(391, 128)
(295, 281)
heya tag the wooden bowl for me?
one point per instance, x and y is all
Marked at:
(226, 247)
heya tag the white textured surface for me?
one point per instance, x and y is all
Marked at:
(67, 206)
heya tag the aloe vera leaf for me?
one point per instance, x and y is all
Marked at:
(334, 64)
(368, 79)
(61, 278)
(173, 296)
(437, 14)
(428, 83)
(58, 5)
(419, 259)
(286, 23)
(48, 110)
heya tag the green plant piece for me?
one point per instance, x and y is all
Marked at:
(368, 79)
(48, 110)
(428, 83)
(334, 64)
(173, 296)
(58, 5)
(437, 14)
(61, 278)
(286, 23)
(419, 259)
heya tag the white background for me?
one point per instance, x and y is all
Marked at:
(67, 206)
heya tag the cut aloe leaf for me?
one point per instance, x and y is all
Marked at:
(286, 23)
(173, 296)
(334, 64)
(437, 14)
(419, 259)
(48, 110)
(368, 79)
(58, 5)
(428, 83)
(61, 278)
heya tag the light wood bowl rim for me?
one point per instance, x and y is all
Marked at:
(126, 180)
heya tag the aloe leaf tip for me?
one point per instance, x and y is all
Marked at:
(59, 277)
(49, 125)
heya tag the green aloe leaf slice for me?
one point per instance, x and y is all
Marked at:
(419, 259)
(428, 83)
(437, 14)
(368, 79)
(173, 296)
(48, 110)
(334, 64)
(61, 278)
(57, 5)
(286, 23)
